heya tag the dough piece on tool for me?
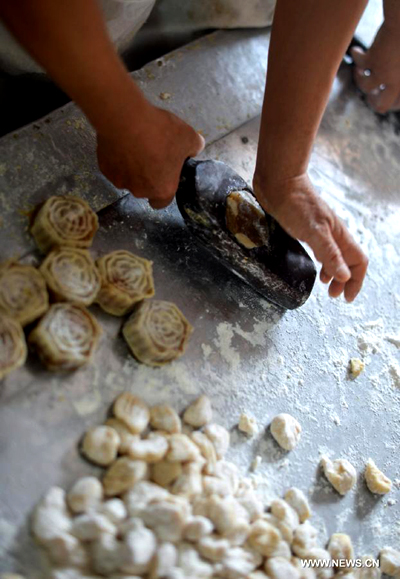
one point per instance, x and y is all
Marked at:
(340, 473)
(157, 332)
(64, 221)
(246, 220)
(13, 349)
(71, 275)
(377, 482)
(66, 337)
(126, 279)
(23, 293)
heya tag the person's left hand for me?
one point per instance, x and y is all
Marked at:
(305, 216)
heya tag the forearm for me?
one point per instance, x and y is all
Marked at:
(308, 41)
(70, 41)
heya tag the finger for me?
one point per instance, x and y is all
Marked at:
(354, 285)
(324, 276)
(336, 289)
(326, 251)
(382, 100)
(355, 259)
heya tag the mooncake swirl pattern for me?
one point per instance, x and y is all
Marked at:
(126, 279)
(64, 221)
(157, 332)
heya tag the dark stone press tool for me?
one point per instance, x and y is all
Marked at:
(280, 269)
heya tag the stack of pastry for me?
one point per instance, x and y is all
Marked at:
(67, 334)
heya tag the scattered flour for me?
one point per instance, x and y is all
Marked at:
(206, 350)
(230, 354)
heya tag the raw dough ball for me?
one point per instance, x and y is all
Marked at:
(64, 221)
(182, 449)
(356, 367)
(100, 445)
(86, 494)
(298, 501)
(264, 538)
(246, 220)
(367, 572)
(340, 473)
(199, 413)
(377, 482)
(157, 332)
(71, 275)
(248, 424)
(164, 472)
(164, 417)
(341, 549)
(124, 432)
(13, 350)
(66, 337)
(132, 411)
(286, 431)
(23, 293)
(220, 438)
(122, 475)
(197, 527)
(153, 449)
(390, 561)
(280, 568)
(126, 279)
(305, 538)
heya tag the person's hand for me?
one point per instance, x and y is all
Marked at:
(304, 215)
(147, 153)
(377, 71)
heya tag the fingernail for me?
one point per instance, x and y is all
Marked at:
(203, 141)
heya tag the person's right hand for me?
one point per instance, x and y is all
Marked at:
(146, 154)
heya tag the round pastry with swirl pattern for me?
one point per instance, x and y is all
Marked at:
(126, 279)
(157, 332)
(66, 337)
(13, 350)
(64, 221)
(23, 292)
(71, 275)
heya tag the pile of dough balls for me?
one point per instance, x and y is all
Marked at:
(170, 506)
(66, 333)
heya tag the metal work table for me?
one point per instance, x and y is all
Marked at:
(245, 353)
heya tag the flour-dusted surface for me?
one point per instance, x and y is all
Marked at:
(245, 354)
